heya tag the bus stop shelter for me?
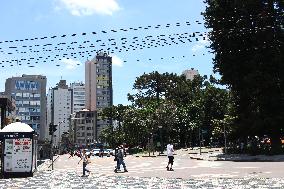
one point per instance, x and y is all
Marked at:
(19, 150)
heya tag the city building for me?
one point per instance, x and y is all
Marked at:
(98, 85)
(84, 128)
(7, 110)
(189, 74)
(29, 93)
(78, 96)
(59, 109)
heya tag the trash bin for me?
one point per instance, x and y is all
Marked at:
(19, 150)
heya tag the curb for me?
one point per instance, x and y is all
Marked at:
(44, 166)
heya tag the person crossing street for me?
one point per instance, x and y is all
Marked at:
(120, 159)
(170, 153)
(84, 157)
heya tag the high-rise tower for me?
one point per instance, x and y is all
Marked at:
(98, 85)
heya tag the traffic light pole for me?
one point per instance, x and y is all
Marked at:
(52, 129)
(51, 151)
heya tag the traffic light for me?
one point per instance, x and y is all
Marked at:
(52, 128)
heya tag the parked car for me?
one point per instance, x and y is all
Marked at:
(96, 152)
(88, 152)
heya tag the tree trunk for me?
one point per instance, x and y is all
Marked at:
(276, 143)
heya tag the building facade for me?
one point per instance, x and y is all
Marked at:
(29, 93)
(78, 96)
(84, 128)
(7, 110)
(189, 74)
(59, 109)
(98, 84)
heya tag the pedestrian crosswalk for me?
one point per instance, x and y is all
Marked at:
(106, 165)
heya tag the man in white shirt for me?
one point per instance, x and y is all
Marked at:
(170, 153)
(84, 157)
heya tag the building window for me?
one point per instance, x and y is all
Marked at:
(18, 94)
(25, 102)
(25, 95)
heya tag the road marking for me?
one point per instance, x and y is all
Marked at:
(247, 167)
(214, 175)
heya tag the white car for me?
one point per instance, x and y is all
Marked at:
(88, 153)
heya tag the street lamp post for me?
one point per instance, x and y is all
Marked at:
(161, 138)
(225, 139)
(59, 140)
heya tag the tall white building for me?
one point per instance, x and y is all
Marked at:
(189, 74)
(78, 96)
(59, 109)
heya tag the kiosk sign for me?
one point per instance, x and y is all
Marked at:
(18, 156)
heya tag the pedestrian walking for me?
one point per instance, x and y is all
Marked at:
(71, 152)
(84, 157)
(120, 160)
(101, 152)
(170, 153)
(116, 159)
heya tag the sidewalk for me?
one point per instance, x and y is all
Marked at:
(216, 154)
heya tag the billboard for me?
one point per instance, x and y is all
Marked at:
(18, 155)
(27, 85)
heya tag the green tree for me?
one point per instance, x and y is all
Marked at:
(112, 135)
(186, 95)
(215, 107)
(247, 40)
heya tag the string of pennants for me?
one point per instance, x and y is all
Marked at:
(58, 53)
(42, 53)
(158, 26)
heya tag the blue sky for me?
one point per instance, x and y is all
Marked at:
(35, 19)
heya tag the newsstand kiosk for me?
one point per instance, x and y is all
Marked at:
(19, 150)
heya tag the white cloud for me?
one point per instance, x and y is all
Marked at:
(200, 45)
(89, 7)
(70, 63)
(116, 61)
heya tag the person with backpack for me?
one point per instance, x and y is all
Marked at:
(120, 160)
